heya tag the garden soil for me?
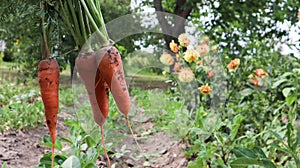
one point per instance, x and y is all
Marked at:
(22, 149)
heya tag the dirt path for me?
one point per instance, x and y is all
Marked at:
(22, 149)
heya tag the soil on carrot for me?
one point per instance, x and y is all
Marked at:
(159, 149)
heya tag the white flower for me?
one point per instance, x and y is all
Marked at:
(186, 75)
(166, 59)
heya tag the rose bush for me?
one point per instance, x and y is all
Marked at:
(241, 110)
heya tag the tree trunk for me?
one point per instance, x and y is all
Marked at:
(73, 71)
(179, 18)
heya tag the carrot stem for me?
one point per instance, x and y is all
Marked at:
(75, 21)
(45, 49)
(69, 23)
(103, 144)
(81, 23)
(97, 14)
(103, 39)
(129, 126)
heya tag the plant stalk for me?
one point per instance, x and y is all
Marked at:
(69, 25)
(45, 48)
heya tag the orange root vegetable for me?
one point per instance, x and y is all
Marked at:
(97, 90)
(95, 86)
(48, 76)
(111, 70)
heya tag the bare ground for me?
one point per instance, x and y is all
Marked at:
(159, 150)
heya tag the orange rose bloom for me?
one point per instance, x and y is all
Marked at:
(205, 89)
(234, 64)
(210, 74)
(173, 46)
(255, 81)
(261, 73)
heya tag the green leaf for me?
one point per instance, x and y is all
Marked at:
(90, 141)
(289, 132)
(294, 148)
(244, 162)
(4, 165)
(277, 83)
(198, 131)
(290, 99)
(48, 142)
(277, 135)
(280, 148)
(241, 152)
(268, 164)
(59, 158)
(286, 91)
(146, 164)
(246, 92)
(66, 140)
(236, 125)
(286, 74)
(71, 162)
(259, 152)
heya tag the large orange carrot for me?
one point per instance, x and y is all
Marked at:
(48, 76)
(97, 90)
(110, 67)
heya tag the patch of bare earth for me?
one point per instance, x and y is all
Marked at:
(22, 149)
(159, 149)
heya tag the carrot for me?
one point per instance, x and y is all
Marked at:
(48, 76)
(87, 69)
(110, 67)
(97, 90)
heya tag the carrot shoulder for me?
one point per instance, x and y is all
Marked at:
(48, 76)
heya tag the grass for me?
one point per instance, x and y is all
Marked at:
(142, 78)
(145, 75)
(7, 64)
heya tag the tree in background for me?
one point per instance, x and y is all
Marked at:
(232, 23)
(239, 26)
(21, 30)
(181, 8)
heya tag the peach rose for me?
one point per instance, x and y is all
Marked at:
(166, 59)
(234, 64)
(183, 40)
(173, 46)
(210, 74)
(205, 89)
(186, 75)
(261, 73)
(203, 49)
(190, 55)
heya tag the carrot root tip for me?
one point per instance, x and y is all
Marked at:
(104, 148)
(129, 126)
